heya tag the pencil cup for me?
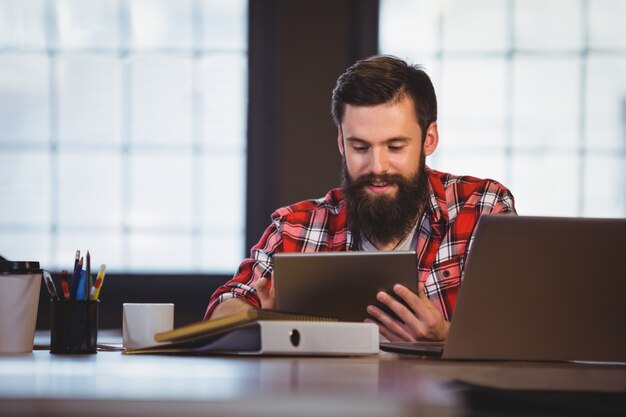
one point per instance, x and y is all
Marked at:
(74, 326)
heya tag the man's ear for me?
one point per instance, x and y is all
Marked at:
(432, 139)
(342, 151)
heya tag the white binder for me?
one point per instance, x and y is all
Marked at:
(279, 337)
(307, 338)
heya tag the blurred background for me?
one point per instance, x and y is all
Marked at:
(161, 134)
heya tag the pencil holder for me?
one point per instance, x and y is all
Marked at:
(74, 327)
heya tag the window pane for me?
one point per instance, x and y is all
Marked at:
(477, 25)
(606, 103)
(89, 100)
(24, 111)
(160, 24)
(535, 26)
(160, 252)
(605, 186)
(224, 100)
(545, 183)
(89, 24)
(90, 189)
(223, 191)
(222, 252)
(26, 245)
(225, 24)
(161, 99)
(472, 103)
(546, 95)
(409, 27)
(490, 164)
(22, 24)
(25, 189)
(607, 29)
(161, 191)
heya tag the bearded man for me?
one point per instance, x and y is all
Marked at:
(386, 116)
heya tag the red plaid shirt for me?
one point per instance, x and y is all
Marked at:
(444, 236)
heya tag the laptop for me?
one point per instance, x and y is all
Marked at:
(339, 284)
(539, 289)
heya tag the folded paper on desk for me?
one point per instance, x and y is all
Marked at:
(262, 332)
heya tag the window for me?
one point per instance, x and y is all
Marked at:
(531, 93)
(122, 131)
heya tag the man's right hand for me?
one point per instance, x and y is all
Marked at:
(265, 293)
(235, 305)
(229, 307)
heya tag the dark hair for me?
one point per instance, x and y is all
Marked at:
(385, 79)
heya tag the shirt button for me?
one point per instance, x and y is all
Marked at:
(446, 273)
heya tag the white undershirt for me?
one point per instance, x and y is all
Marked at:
(409, 242)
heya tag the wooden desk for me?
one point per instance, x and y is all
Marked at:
(108, 383)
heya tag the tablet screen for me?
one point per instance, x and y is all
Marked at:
(339, 284)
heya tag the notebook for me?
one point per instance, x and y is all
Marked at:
(339, 284)
(539, 289)
(208, 327)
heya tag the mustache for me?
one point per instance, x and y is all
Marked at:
(367, 179)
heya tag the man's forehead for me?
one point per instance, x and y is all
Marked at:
(380, 122)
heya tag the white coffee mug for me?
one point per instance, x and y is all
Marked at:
(141, 321)
(20, 283)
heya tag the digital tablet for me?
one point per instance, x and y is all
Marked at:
(340, 284)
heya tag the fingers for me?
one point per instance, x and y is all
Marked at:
(413, 325)
(388, 335)
(409, 297)
(421, 293)
(265, 293)
(262, 287)
(392, 329)
(419, 303)
(427, 321)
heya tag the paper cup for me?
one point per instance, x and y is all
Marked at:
(141, 321)
(20, 283)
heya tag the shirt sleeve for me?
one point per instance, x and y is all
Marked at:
(497, 199)
(260, 264)
(505, 202)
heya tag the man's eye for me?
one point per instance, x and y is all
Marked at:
(360, 148)
(395, 148)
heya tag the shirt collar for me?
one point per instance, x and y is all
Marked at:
(437, 205)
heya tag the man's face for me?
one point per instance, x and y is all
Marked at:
(383, 139)
(383, 175)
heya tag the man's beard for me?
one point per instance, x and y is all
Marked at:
(384, 219)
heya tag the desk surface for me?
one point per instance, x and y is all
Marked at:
(109, 383)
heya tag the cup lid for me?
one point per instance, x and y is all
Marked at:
(19, 267)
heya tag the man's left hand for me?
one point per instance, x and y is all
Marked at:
(421, 321)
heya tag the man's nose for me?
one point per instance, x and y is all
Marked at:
(379, 162)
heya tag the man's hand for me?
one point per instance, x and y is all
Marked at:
(235, 305)
(265, 293)
(422, 321)
(229, 307)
